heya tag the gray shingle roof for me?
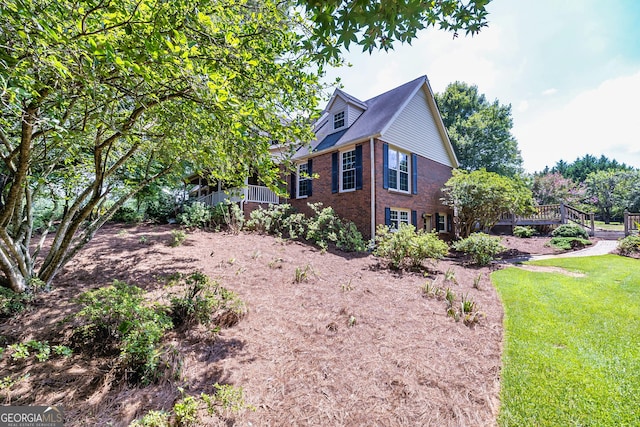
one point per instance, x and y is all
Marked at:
(380, 112)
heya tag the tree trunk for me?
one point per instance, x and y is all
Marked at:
(14, 280)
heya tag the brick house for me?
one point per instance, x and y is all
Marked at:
(380, 161)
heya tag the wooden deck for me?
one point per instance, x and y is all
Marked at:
(552, 215)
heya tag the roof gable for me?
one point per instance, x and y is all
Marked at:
(378, 117)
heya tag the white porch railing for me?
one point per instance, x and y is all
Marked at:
(260, 194)
(251, 193)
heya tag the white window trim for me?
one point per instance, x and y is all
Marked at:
(298, 179)
(398, 210)
(344, 119)
(444, 217)
(340, 156)
(398, 190)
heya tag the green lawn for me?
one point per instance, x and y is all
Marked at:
(613, 226)
(572, 344)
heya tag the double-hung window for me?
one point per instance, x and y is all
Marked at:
(397, 217)
(441, 222)
(304, 180)
(338, 120)
(398, 170)
(348, 170)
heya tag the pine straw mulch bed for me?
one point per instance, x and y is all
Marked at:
(352, 343)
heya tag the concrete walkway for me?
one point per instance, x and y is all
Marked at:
(602, 247)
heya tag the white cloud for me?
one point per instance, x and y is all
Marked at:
(602, 120)
(550, 91)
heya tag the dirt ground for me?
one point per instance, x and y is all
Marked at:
(354, 344)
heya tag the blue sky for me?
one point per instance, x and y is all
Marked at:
(570, 70)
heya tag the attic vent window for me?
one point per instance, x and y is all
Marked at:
(338, 120)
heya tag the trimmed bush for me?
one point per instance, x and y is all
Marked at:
(629, 245)
(407, 248)
(480, 247)
(570, 230)
(568, 243)
(524, 232)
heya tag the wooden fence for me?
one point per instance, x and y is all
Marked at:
(631, 221)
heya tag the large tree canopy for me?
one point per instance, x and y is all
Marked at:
(378, 23)
(101, 98)
(612, 191)
(579, 169)
(480, 131)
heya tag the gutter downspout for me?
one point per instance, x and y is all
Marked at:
(373, 188)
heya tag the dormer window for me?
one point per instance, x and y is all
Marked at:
(338, 120)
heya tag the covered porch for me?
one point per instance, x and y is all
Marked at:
(213, 193)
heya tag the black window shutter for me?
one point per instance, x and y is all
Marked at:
(334, 172)
(387, 216)
(358, 167)
(310, 179)
(414, 218)
(385, 166)
(449, 223)
(292, 191)
(414, 174)
(438, 222)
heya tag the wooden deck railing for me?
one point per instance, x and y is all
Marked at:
(586, 220)
(551, 215)
(631, 221)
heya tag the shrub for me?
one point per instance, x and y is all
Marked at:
(525, 232)
(12, 303)
(127, 214)
(270, 220)
(226, 397)
(405, 246)
(117, 318)
(325, 226)
(177, 238)
(480, 247)
(322, 228)
(629, 245)
(570, 230)
(195, 214)
(153, 419)
(568, 243)
(162, 208)
(206, 303)
(186, 411)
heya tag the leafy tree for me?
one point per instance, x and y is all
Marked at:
(377, 24)
(480, 198)
(101, 99)
(611, 191)
(553, 188)
(480, 131)
(583, 166)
